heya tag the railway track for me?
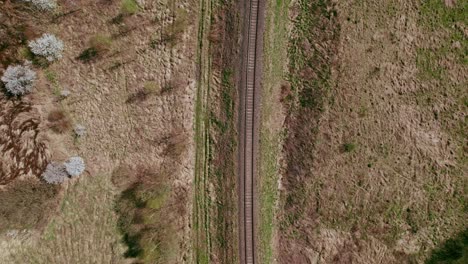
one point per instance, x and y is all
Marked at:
(250, 91)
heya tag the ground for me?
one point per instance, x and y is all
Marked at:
(362, 143)
(385, 177)
(151, 50)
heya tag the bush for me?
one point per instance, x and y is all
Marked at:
(88, 54)
(349, 147)
(98, 45)
(80, 130)
(46, 5)
(146, 215)
(75, 166)
(58, 121)
(47, 46)
(129, 7)
(55, 173)
(452, 251)
(19, 79)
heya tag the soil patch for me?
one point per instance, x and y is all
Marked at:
(23, 146)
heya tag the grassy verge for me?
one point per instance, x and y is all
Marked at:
(201, 207)
(311, 47)
(215, 201)
(276, 41)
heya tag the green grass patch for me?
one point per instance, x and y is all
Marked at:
(201, 200)
(275, 50)
(435, 14)
(427, 63)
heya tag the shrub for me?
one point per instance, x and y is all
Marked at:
(88, 54)
(75, 166)
(46, 5)
(19, 79)
(55, 173)
(98, 45)
(452, 251)
(80, 130)
(59, 121)
(129, 7)
(349, 147)
(137, 97)
(47, 46)
(123, 176)
(146, 215)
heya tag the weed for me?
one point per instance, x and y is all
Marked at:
(51, 76)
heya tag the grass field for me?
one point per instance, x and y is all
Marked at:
(382, 168)
(72, 236)
(215, 221)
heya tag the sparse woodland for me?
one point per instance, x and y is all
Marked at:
(72, 96)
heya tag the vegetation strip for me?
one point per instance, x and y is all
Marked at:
(201, 213)
(275, 62)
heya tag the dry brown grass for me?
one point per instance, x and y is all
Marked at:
(26, 204)
(83, 230)
(400, 190)
(16, 28)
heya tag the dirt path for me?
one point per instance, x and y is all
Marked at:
(250, 86)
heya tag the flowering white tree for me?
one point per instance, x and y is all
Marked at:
(19, 79)
(74, 166)
(46, 5)
(48, 46)
(55, 173)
